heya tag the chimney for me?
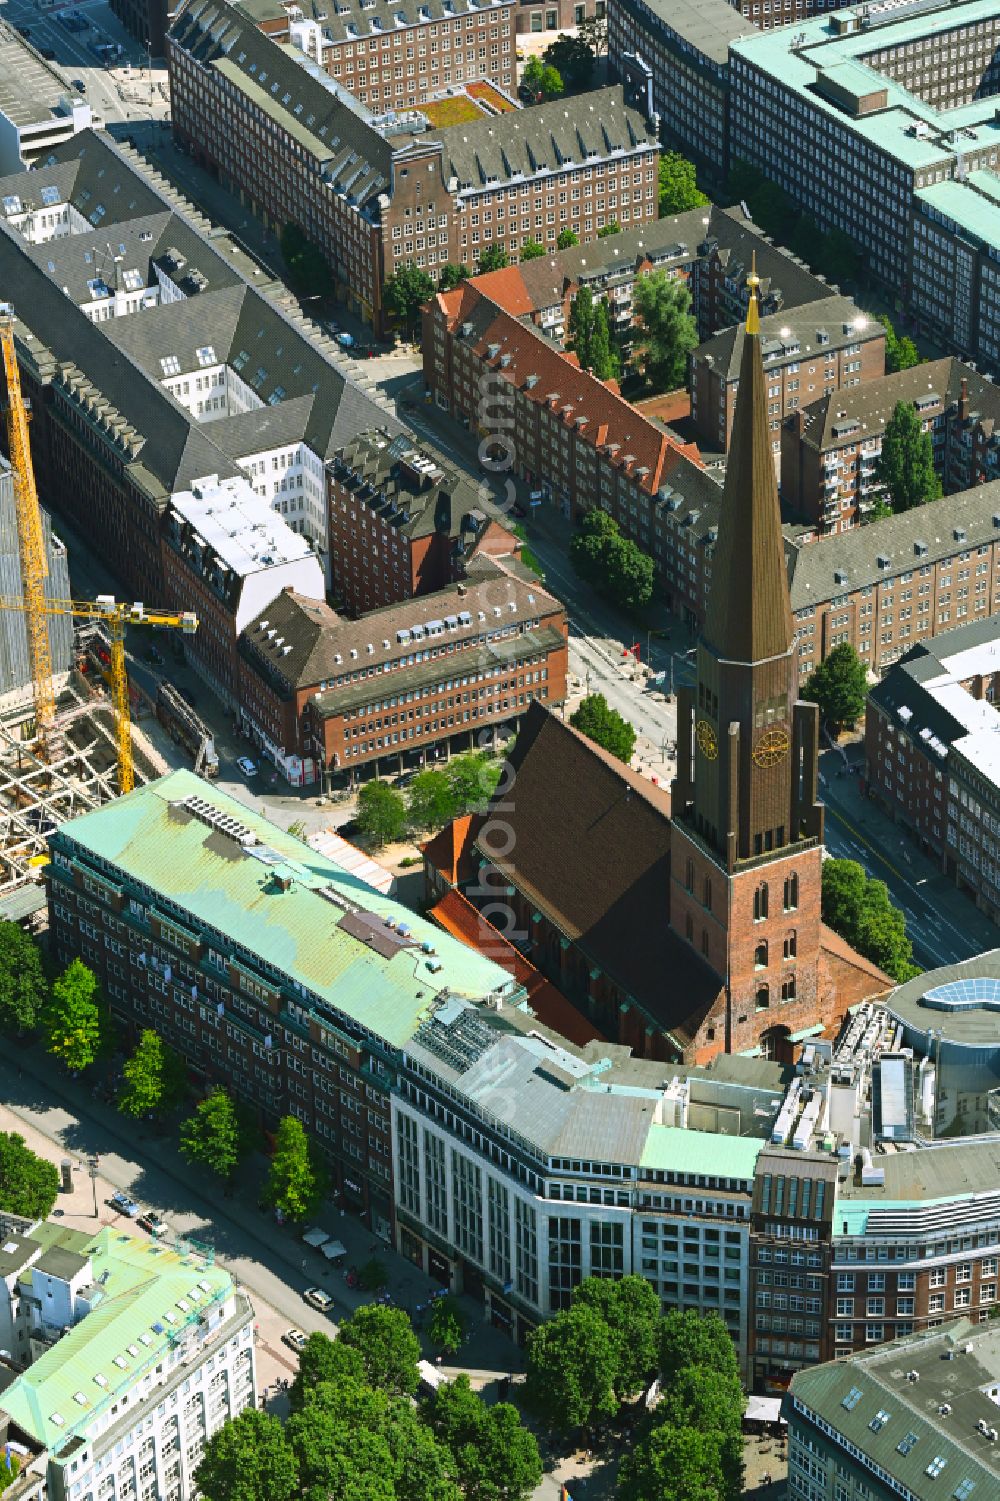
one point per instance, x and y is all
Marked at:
(963, 401)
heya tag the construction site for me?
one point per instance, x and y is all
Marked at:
(67, 738)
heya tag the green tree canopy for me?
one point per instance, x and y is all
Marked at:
(860, 910)
(430, 801)
(23, 987)
(451, 274)
(219, 1134)
(29, 1184)
(446, 1326)
(405, 293)
(667, 332)
(673, 1464)
(496, 1457)
(567, 239)
(323, 1359)
(155, 1078)
(571, 1371)
(71, 1017)
(493, 258)
(296, 1179)
(581, 326)
(906, 464)
(473, 779)
(839, 685)
(604, 360)
(605, 726)
(572, 59)
(338, 1453)
(611, 228)
(688, 1338)
(381, 813)
(308, 270)
(531, 250)
(249, 1459)
(631, 1310)
(679, 190)
(390, 1350)
(612, 564)
(900, 353)
(709, 1400)
(542, 78)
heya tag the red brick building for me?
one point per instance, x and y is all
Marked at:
(829, 449)
(338, 695)
(807, 351)
(402, 522)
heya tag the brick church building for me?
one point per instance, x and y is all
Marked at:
(688, 925)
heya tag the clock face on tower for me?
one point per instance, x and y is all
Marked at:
(707, 742)
(771, 748)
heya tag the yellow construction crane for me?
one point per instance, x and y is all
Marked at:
(116, 615)
(31, 540)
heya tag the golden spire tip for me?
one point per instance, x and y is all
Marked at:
(753, 311)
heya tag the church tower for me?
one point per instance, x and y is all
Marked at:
(746, 842)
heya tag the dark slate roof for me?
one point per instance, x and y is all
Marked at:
(836, 418)
(345, 20)
(835, 316)
(384, 477)
(903, 688)
(549, 136)
(749, 617)
(589, 843)
(784, 279)
(332, 126)
(822, 570)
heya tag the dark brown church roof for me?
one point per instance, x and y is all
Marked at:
(749, 617)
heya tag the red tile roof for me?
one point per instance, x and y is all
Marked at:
(507, 289)
(450, 851)
(456, 914)
(520, 353)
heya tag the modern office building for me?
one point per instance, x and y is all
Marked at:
(899, 97)
(808, 351)
(123, 1357)
(321, 694)
(916, 1419)
(156, 354)
(830, 448)
(400, 56)
(930, 731)
(378, 190)
(403, 521)
(38, 108)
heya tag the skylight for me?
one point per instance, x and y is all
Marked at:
(206, 355)
(852, 1399)
(170, 365)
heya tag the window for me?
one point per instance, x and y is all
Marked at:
(791, 897)
(760, 902)
(760, 955)
(763, 998)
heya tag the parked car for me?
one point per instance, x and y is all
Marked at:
(246, 766)
(151, 1223)
(318, 1298)
(124, 1204)
(79, 85)
(294, 1339)
(345, 340)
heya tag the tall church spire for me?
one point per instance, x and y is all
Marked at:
(749, 617)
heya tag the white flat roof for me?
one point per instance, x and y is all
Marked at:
(238, 525)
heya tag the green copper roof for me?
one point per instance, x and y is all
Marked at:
(676, 1150)
(320, 927)
(144, 1296)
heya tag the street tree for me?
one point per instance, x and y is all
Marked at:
(155, 1078)
(308, 269)
(323, 1359)
(860, 910)
(571, 1371)
(451, 275)
(542, 79)
(605, 726)
(688, 1338)
(381, 813)
(906, 464)
(473, 778)
(679, 190)
(589, 546)
(900, 352)
(29, 1184)
(673, 1464)
(630, 1309)
(338, 1456)
(496, 1457)
(612, 564)
(71, 1017)
(430, 801)
(843, 895)
(493, 258)
(566, 239)
(572, 60)
(390, 1350)
(219, 1134)
(405, 293)
(839, 685)
(248, 1459)
(667, 332)
(709, 1400)
(296, 1179)
(604, 360)
(23, 988)
(446, 1326)
(581, 326)
(531, 250)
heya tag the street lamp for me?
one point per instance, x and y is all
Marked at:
(93, 1163)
